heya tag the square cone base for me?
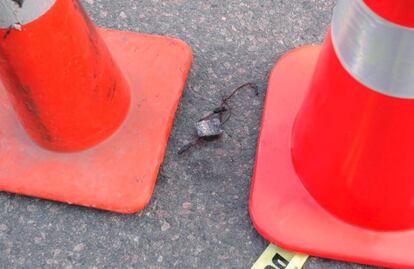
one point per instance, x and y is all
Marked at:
(281, 208)
(120, 173)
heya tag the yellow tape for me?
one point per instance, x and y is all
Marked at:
(276, 258)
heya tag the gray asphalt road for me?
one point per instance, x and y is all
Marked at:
(198, 216)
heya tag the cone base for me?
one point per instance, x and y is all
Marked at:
(120, 173)
(281, 208)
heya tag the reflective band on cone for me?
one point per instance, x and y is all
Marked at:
(12, 13)
(377, 53)
(334, 174)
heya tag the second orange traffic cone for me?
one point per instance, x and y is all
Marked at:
(334, 174)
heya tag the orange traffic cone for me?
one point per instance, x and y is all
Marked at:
(98, 103)
(334, 174)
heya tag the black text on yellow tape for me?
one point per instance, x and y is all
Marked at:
(276, 258)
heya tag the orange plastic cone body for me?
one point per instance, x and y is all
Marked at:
(363, 140)
(334, 174)
(66, 88)
(397, 11)
(99, 104)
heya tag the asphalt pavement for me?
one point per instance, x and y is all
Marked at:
(198, 216)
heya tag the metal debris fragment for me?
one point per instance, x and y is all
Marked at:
(210, 127)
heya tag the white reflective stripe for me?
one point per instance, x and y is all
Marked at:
(377, 52)
(11, 13)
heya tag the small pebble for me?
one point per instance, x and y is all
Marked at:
(123, 15)
(3, 227)
(165, 226)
